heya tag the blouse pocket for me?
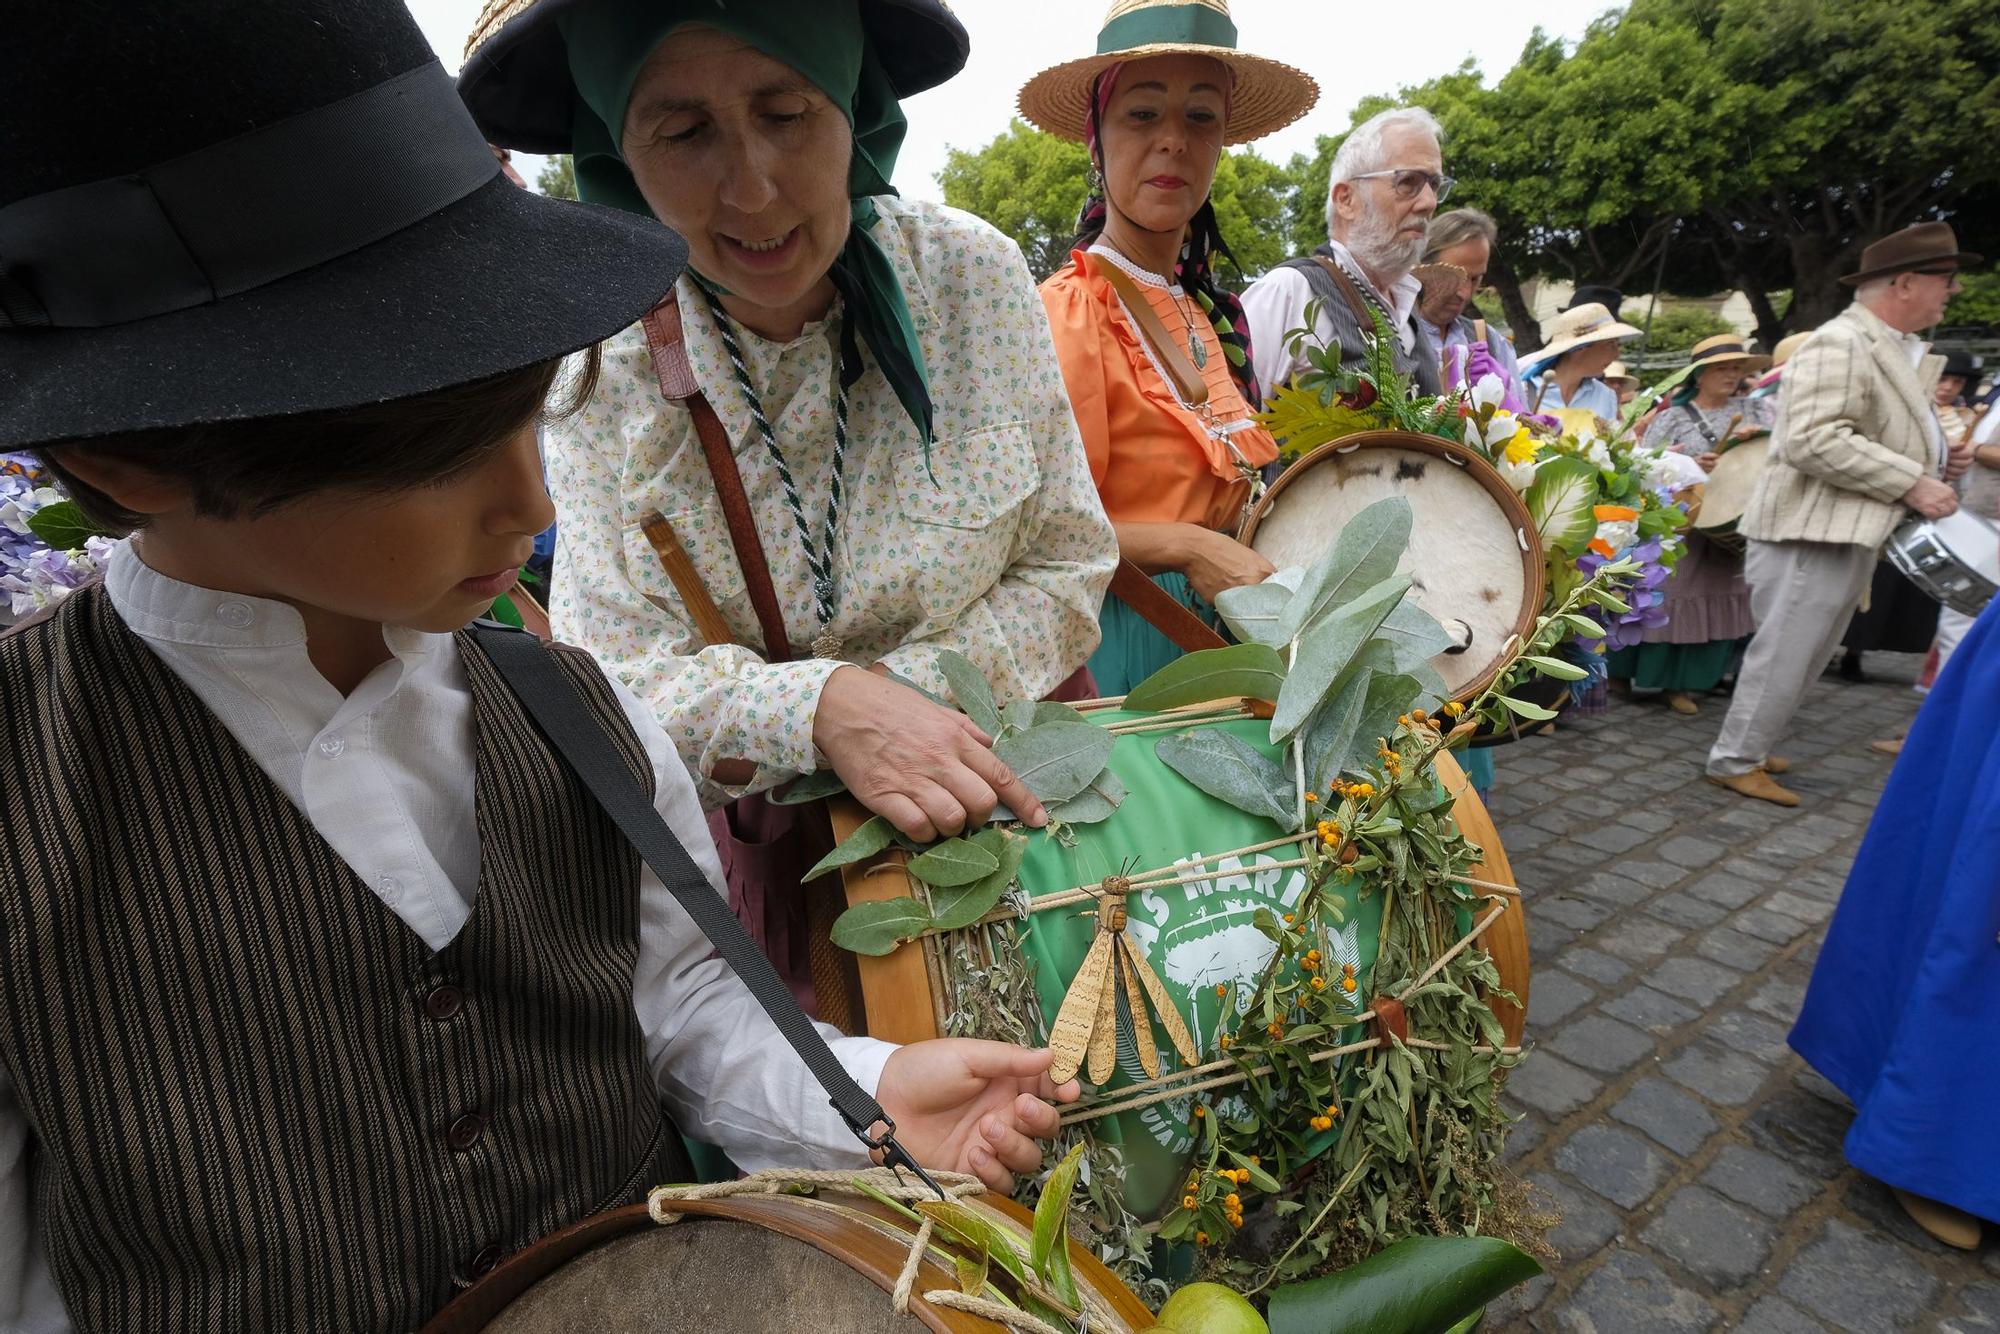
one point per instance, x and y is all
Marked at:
(714, 560)
(973, 480)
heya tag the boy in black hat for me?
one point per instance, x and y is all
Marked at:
(327, 982)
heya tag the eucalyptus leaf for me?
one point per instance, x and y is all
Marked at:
(1018, 715)
(1366, 553)
(930, 695)
(1253, 670)
(1563, 499)
(1414, 634)
(953, 908)
(61, 526)
(1375, 700)
(1051, 711)
(1251, 611)
(1325, 651)
(969, 687)
(1418, 1285)
(1056, 760)
(1051, 1236)
(1232, 770)
(873, 836)
(1095, 804)
(956, 861)
(815, 786)
(877, 927)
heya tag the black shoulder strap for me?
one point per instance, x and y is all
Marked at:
(552, 701)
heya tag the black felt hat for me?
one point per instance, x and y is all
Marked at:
(1599, 295)
(516, 74)
(227, 210)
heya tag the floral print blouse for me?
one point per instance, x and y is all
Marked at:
(1680, 427)
(1000, 550)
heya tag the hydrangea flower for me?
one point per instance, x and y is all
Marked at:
(31, 575)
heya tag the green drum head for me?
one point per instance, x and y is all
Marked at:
(1197, 936)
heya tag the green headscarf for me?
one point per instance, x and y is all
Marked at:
(610, 40)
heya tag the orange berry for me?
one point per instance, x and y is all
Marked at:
(1221, 990)
(1200, 1112)
(1319, 984)
(1187, 1201)
(1201, 1239)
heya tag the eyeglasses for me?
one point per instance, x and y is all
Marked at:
(1408, 182)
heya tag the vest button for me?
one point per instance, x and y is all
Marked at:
(484, 1263)
(465, 1131)
(444, 1002)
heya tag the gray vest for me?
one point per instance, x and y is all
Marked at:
(1416, 366)
(259, 1100)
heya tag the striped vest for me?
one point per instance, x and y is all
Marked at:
(1418, 367)
(258, 1099)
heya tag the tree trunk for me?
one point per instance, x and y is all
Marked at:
(1770, 324)
(1520, 318)
(1818, 261)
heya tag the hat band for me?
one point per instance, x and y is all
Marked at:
(242, 213)
(1726, 350)
(1167, 25)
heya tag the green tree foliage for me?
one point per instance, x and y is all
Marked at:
(1758, 144)
(1678, 328)
(1031, 186)
(1978, 304)
(557, 178)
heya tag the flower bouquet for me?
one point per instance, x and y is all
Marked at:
(46, 547)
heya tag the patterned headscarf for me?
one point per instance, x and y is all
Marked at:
(1202, 242)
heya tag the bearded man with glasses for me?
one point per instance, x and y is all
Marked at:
(1388, 179)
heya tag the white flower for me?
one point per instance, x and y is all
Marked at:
(1520, 476)
(1617, 533)
(1598, 453)
(1488, 392)
(1501, 429)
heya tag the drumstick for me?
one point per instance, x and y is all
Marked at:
(666, 544)
(1535, 407)
(1728, 431)
(1972, 426)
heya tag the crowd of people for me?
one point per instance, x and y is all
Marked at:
(800, 442)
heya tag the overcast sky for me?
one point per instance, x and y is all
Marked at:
(1355, 48)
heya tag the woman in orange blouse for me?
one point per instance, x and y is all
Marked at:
(1154, 351)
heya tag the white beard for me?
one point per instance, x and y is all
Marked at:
(1375, 243)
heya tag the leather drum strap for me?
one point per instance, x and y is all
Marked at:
(1158, 609)
(1187, 379)
(1355, 301)
(677, 383)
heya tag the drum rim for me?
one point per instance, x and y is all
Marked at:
(1727, 526)
(1534, 561)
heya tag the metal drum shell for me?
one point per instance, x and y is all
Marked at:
(1920, 552)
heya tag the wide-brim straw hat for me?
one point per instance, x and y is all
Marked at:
(1616, 374)
(1725, 348)
(516, 77)
(1576, 327)
(1268, 94)
(1922, 246)
(1787, 345)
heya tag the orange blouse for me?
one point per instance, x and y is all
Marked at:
(1155, 459)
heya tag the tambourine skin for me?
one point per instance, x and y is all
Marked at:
(1475, 555)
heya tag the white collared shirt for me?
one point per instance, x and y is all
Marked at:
(1275, 304)
(385, 775)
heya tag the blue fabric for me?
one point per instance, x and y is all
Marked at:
(1594, 394)
(1905, 999)
(1479, 770)
(1132, 649)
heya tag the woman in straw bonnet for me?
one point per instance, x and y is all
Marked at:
(1707, 600)
(858, 385)
(1582, 343)
(1154, 350)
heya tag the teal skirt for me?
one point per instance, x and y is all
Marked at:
(1132, 649)
(1689, 668)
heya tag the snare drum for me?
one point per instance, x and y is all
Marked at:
(827, 1262)
(1726, 495)
(1475, 559)
(1955, 559)
(1198, 935)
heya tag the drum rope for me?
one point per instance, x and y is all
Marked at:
(1145, 1093)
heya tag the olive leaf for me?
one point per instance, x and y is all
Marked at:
(877, 927)
(873, 836)
(969, 687)
(1232, 770)
(1095, 804)
(1365, 555)
(961, 906)
(1050, 1254)
(1556, 667)
(815, 786)
(1325, 651)
(956, 861)
(1253, 670)
(1056, 760)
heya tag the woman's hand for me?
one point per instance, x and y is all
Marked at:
(961, 1105)
(1216, 563)
(1708, 460)
(917, 764)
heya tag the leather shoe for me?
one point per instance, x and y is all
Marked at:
(1888, 746)
(1756, 784)
(1953, 1227)
(1776, 764)
(1682, 703)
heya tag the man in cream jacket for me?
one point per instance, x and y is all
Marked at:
(1856, 449)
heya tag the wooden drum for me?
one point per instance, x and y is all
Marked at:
(826, 1262)
(1475, 559)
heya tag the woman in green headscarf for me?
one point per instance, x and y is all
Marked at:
(877, 371)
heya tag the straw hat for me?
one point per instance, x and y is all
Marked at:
(1616, 374)
(1725, 348)
(1787, 345)
(1268, 96)
(1573, 328)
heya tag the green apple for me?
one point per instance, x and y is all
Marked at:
(1209, 1308)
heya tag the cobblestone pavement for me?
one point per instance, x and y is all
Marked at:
(1673, 926)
